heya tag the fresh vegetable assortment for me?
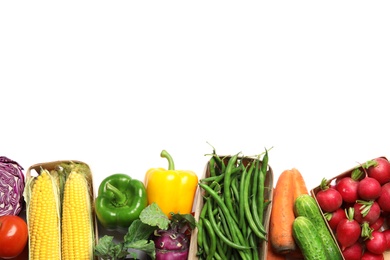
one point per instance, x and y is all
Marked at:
(242, 216)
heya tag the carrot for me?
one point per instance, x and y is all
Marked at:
(271, 255)
(299, 183)
(289, 186)
(282, 215)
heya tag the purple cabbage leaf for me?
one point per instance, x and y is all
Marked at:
(12, 183)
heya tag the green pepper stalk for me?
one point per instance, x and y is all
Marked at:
(120, 201)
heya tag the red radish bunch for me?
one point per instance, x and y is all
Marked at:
(357, 208)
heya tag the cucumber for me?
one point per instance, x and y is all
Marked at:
(308, 239)
(305, 205)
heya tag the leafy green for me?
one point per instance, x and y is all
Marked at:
(137, 236)
(107, 249)
(154, 216)
(139, 233)
(183, 219)
(147, 246)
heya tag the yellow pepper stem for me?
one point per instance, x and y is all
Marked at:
(165, 154)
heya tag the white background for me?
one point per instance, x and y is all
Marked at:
(113, 83)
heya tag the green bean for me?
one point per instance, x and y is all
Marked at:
(218, 181)
(225, 226)
(237, 241)
(236, 195)
(217, 256)
(236, 169)
(200, 224)
(219, 162)
(241, 202)
(212, 179)
(206, 248)
(230, 222)
(263, 173)
(212, 167)
(212, 238)
(221, 249)
(226, 183)
(257, 215)
(254, 243)
(247, 209)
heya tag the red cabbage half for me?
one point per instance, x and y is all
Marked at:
(11, 187)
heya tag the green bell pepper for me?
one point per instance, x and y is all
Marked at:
(120, 201)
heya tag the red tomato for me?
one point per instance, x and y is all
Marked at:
(13, 236)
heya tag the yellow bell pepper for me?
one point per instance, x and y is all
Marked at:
(172, 190)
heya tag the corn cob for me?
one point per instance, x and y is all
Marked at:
(77, 223)
(43, 217)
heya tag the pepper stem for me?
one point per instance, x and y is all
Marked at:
(120, 197)
(171, 165)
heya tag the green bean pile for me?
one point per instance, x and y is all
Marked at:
(231, 222)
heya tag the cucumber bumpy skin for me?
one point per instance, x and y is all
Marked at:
(305, 205)
(308, 239)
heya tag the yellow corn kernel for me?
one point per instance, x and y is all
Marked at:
(43, 217)
(77, 224)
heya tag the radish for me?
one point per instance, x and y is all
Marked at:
(378, 224)
(378, 169)
(367, 255)
(353, 252)
(328, 198)
(348, 230)
(369, 188)
(335, 217)
(366, 211)
(376, 243)
(386, 232)
(384, 198)
(348, 186)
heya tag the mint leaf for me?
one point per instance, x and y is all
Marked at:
(153, 216)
